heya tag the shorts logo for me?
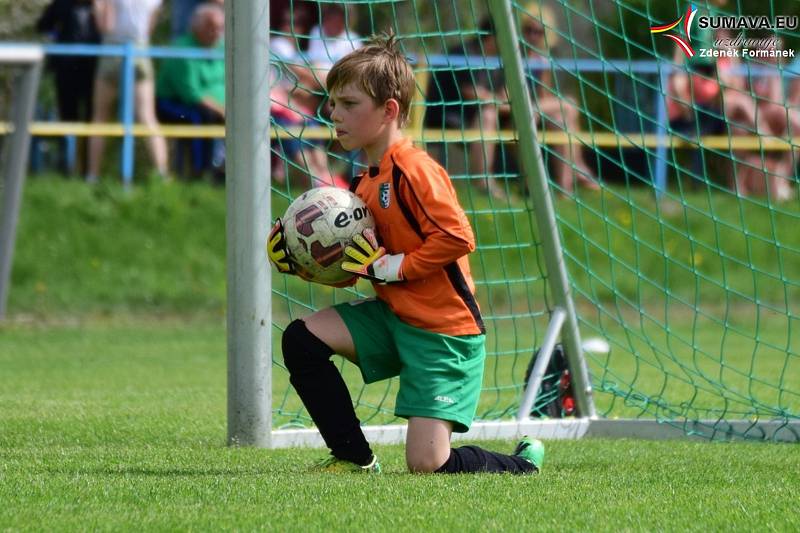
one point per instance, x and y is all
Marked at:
(385, 199)
(361, 301)
(444, 399)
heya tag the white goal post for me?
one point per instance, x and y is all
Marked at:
(249, 321)
(27, 58)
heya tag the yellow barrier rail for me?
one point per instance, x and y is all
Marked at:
(600, 140)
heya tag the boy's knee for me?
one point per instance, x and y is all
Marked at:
(426, 462)
(301, 348)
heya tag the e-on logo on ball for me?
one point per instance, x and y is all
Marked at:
(684, 44)
(344, 218)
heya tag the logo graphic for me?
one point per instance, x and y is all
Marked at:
(384, 195)
(687, 18)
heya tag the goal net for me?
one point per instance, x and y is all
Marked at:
(670, 147)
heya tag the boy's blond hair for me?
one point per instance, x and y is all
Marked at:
(380, 70)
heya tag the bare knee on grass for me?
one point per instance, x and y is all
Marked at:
(427, 444)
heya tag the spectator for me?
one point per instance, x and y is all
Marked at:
(552, 107)
(293, 104)
(774, 168)
(71, 22)
(694, 105)
(192, 91)
(332, 39)
(120, 22)
(755, 106)
(181, 15)
(329, 41)
(290, 30)
(713, 97)
(792, 87)
(466, 97)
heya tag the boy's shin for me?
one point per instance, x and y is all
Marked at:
(324, 393)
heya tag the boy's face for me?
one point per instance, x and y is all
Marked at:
(356, 118)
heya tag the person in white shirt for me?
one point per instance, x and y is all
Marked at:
(294, 98)
(332, 39)
(121, 22)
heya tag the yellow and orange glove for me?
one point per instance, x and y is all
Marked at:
(371, 261)
(276, 249)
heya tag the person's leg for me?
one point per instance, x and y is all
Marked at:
(482, 153)
(68, 98)
(779, 163)
(105, 94)
(440, 384)
(308, 345)
(740, 113)
(146, 114)
(569, 156)
(572, 124)
(428, 450)
(315, 161)
(427, 443)
(85, 109)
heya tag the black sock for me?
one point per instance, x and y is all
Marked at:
(324, 393)
(475, 459)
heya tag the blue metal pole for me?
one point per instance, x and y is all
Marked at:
(661, 150)
(126, 96)
(70, 148)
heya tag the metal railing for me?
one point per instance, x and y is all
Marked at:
(660, 139)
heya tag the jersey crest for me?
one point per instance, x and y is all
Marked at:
(385, 195)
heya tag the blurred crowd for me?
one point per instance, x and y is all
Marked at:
(187, 91)
(725, 96)
(704, 97)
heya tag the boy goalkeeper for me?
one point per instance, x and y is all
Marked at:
(424, 325)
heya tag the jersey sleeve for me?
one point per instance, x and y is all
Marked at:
(440, 221)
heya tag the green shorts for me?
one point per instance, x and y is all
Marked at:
(440, 375)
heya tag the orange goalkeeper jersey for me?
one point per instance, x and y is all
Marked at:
(417, 213)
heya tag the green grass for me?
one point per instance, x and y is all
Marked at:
(120, 425)
(161, 247)
(682, 325)
(112, 373)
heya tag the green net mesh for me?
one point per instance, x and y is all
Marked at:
(675, 189)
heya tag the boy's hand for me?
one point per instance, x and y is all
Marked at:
(276, 249)
(371, 260)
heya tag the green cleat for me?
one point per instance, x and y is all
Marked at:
(335, 465)
(532, 450)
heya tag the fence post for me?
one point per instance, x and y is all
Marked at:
(127, 100)
(662, 124)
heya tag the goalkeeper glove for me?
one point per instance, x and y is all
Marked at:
(371, 260)
(276, 249)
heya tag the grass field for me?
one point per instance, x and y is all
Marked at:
(113, 365)
(684, 290)
(121, 426)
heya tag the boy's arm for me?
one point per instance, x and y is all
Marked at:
(441, 221)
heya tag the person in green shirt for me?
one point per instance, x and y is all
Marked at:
(192, 91)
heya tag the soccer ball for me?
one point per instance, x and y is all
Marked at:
(318, 225)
